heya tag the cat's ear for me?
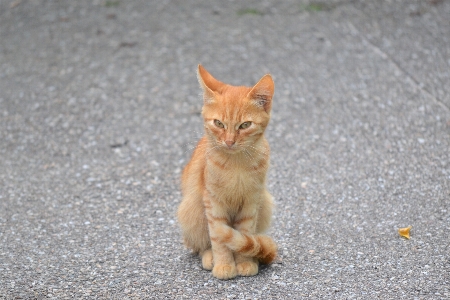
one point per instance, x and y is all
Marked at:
(209, 84)
(261, 94)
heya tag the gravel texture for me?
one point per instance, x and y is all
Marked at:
(99, 112)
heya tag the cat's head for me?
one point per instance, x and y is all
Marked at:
(235, 117)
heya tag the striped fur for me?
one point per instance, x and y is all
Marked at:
(259, 246)
(226, 207)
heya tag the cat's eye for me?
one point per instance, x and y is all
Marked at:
(245, 125)
(219, 124)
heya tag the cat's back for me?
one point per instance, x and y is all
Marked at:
(193, 173)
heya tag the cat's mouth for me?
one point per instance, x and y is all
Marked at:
(231, 149)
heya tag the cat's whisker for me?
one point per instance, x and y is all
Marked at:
(191, 148)
(265, 153)
(202, 146)
(211, 149)
(248, 154)
(194, 142)
(264, 150)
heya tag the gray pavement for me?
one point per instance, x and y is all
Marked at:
(99, 112)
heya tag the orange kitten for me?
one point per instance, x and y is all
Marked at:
(226, 205)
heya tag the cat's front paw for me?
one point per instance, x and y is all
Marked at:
(224, 271)
(247, 268)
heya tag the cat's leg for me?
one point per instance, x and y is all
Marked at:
(223, 259)
(246, 266)
(224, 265)
(245, 222)
(253, 219)
(207, 259)
(194, 226)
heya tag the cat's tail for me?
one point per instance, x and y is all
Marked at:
(260, 246)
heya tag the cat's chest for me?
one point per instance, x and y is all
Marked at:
(233, 180)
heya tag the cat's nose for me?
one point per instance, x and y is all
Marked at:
(229, 143)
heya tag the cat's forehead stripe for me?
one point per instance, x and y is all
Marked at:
(233, 102)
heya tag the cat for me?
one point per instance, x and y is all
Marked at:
(226, 206)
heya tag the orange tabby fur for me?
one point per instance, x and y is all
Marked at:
(225, 205)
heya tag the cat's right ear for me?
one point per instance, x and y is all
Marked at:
(208, 84)
(262, 93)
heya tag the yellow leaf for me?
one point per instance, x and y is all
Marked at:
(404, 232)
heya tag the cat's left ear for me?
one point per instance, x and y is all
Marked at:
(262, 93)
(209, 84)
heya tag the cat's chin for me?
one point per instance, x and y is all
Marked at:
(231, 150)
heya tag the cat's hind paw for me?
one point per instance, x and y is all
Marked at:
(247, 268)
(224, 271)
(207, 260)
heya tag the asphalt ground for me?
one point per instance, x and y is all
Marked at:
(99, 112)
